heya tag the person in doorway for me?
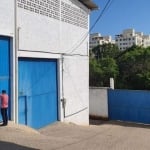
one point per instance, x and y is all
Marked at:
(4, 106)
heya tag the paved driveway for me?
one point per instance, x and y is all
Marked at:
(60, 136)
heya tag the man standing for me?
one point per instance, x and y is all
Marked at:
(4, 107)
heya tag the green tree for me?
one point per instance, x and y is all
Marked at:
(105, 50)
(95, 73)
(109, 68)
(101, 71)
(134, 68)
(103, 65)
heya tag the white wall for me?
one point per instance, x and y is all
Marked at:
(98, 102)
(39, 34)
(42, 33)
(7, 22)
(76, 89)
(7, 17)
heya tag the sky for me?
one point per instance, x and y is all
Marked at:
(120, 15)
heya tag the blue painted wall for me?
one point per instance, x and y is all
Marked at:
(38, 95)
(129, 105)
(5, 66)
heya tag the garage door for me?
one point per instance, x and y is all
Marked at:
(5, 66)
(38, 98)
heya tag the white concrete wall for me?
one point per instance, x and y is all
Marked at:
(39, 34)
(42, 33)
(7, 22)
(98, 102)
(76, 89)
(7, 17)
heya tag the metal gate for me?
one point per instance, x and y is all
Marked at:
(5, 66)
(129, 105)
(38, 96)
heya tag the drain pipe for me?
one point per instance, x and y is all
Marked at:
(63, 100)
(15, 66)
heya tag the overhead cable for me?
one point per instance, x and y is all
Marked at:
(79, 42)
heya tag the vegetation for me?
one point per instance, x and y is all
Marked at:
(134, 68)
(130, 69)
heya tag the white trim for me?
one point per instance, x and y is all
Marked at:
(60, 92)
(38, 55)
(16, 117)
(12, 81)
(2, 33)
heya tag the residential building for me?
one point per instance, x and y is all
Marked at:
(98, 39)
(129, 38)
(146, 40)
(40, 71)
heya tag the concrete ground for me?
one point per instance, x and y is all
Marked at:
(101, 135)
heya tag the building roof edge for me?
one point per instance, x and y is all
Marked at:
(89, 4)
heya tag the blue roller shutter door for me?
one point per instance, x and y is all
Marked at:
(37, 92)
(5, 66)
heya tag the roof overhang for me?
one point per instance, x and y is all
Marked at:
(89, 4)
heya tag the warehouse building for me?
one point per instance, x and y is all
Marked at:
(43, 66)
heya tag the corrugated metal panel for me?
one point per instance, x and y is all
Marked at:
(5, 65)
(126, 105)
(38, 86)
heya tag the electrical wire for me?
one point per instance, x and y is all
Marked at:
(79, 42)
(108, 4)
(77, 94)
(46, 52)
(82, 39)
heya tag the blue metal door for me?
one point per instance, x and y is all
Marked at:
(23, 109)
(5, 66)
(129, 105)
(37, 92)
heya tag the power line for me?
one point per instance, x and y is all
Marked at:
(80, 41)
(108, 4)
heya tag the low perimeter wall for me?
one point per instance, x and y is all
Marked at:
(98, 103)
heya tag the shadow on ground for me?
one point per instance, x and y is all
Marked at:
(119, 123)
(13, 146)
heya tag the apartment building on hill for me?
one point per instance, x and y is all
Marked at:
(129, 38)
(98, 39)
